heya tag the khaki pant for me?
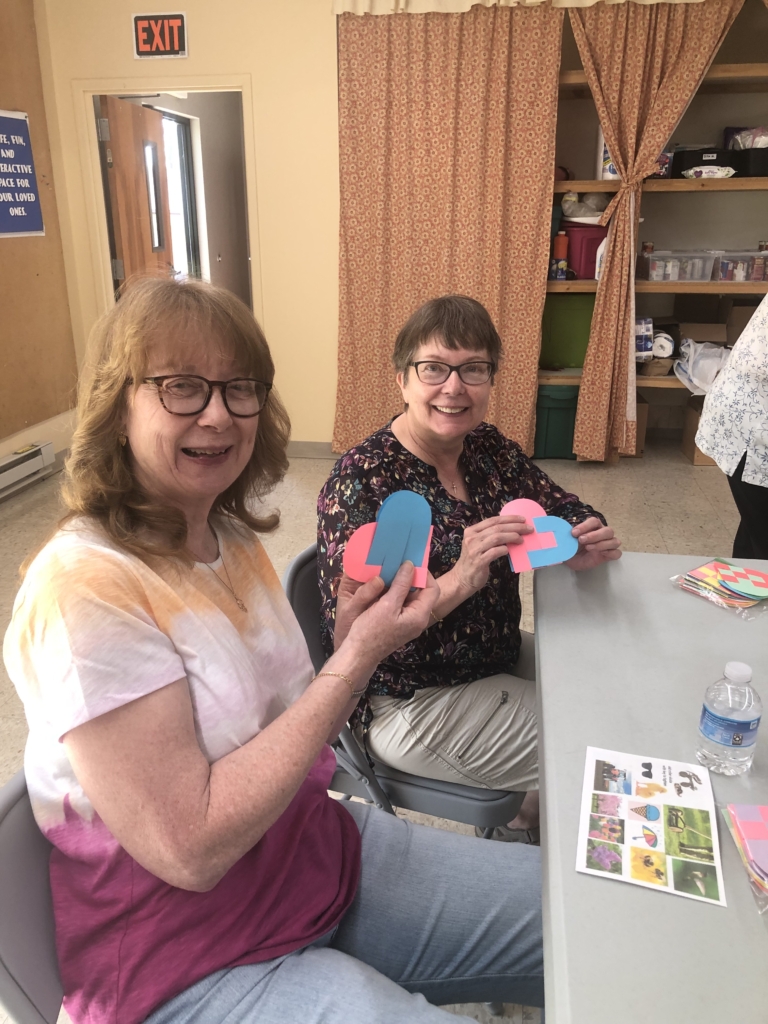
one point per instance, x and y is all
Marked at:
(478, 734)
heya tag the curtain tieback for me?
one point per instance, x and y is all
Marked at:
(632, 185)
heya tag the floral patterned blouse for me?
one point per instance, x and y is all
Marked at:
(480, 637)
(735, 415)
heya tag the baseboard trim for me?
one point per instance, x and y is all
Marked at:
(311, 450)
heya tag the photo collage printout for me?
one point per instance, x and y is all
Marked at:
(651, 822)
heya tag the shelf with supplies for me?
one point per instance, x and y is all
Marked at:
(670, 185)
(720, 78)
(674, 287)
(573, 378)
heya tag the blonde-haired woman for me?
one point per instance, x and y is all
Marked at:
(178, 755)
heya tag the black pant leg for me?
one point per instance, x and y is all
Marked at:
(751, 539)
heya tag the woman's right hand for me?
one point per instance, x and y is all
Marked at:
(483, 544)
(380, 620)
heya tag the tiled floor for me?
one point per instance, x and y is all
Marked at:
(660, 503)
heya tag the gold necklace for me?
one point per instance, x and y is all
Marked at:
(414, 442)
(240, 604)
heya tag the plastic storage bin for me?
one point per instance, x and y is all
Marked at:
(741, 266)
(555, 420)
(675, 265)
(583, 242)
(565, 330)
(685, 159)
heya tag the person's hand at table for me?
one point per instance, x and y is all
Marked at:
(597, 544)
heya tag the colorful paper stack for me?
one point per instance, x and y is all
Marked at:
(748, 824)
(726, 584)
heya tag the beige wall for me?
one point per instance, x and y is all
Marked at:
(282, 56)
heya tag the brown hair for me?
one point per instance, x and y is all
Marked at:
(99, 479)
(458, 322)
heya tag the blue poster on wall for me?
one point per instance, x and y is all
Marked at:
(20, 212)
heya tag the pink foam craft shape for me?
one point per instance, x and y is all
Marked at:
(356, 553)
(552, 539)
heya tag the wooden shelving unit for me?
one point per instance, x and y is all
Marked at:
(572, 286)
(670, 185)
(719, 79)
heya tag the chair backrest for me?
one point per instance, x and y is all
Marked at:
(30, 987)
(301, 587)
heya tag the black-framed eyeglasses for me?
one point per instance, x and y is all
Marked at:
(431, 371)
(187, 394)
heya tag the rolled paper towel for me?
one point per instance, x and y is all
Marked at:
(663, 346)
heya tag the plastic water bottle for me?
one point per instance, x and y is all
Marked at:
(729, 720)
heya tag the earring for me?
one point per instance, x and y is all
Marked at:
(122, 438)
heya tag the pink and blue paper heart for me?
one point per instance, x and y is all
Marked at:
(551, 542)
(402, 532)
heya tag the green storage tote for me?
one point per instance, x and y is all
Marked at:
(565, 330)
(555, 420)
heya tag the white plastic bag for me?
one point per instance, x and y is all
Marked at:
(699, 364)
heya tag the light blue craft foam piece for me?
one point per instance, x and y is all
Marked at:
(566, 544)
(402, 533)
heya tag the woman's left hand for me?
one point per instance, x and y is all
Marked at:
(597, 544)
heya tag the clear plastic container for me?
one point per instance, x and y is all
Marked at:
(675, 265)
(741, 266)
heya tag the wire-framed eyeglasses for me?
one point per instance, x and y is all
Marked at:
(188, 394)
(431, 371)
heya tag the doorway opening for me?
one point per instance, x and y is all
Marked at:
(173, 176)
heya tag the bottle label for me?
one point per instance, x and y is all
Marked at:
(727, 731)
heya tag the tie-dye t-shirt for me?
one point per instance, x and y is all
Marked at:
(94, 628)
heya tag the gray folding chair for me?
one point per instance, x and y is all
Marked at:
(30, 987)
(382, 785)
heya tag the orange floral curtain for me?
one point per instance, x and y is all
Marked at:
(447, 138)
(643, 65)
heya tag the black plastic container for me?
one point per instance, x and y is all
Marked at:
(685, 159)
(754, 163)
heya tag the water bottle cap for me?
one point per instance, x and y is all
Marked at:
(738, 672)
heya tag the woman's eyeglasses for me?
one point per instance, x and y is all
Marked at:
(431, 372)
(187, 395)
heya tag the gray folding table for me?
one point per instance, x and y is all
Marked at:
(623, 659)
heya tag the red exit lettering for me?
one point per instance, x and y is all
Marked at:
(160, 35)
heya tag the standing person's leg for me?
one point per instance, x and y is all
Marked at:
(751, 500)
(455, 918)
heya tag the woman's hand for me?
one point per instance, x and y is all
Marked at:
(483, 544)
(380, 620)
(597, 544)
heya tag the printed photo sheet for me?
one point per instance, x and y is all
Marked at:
(650, 821)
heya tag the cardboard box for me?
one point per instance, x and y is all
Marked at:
(642, 427)
(654, 368)
(715, 333)
(688, 446)
(738, 318)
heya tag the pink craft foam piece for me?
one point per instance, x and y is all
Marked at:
(356, 552)
(518, 553)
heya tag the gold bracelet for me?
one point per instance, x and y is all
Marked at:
(437, 621)
(340, 675)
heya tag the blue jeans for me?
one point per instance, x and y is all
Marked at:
(438, 918)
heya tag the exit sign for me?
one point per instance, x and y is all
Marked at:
(159, 35)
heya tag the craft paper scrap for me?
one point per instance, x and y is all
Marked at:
(551, 543)
(651, 822)
(756, 875)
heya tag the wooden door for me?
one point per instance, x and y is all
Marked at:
(135, 188)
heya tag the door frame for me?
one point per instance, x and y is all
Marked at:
(95, 208)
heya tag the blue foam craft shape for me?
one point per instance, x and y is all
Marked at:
(402, 533)
(566, 545)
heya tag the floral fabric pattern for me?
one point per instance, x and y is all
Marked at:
(480, 637)
(735, 415)
(446, 158)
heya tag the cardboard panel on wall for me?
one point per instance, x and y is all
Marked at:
(37, 357)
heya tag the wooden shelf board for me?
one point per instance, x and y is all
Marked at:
(574, 379)
(670, 185)
(658, 382)
(719, 78)
(571, 286)
(703, 287)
